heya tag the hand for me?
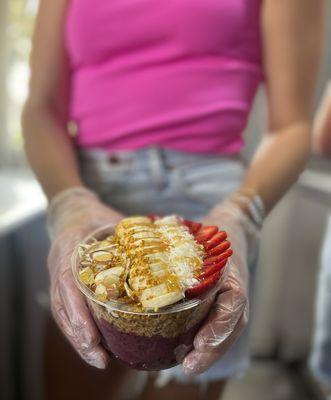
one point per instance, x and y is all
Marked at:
(229, 314)
(74, 214)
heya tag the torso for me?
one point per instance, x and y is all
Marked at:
(178, 73)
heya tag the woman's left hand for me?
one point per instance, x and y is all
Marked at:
(229, 314)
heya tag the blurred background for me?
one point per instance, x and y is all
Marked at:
(35, 361)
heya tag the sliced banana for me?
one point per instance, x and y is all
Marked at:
(168, 220)
(138, 283)
(159, 274)
(161, 301)
(154, 261)
(157, 267)
(141, 234)
(154, 291)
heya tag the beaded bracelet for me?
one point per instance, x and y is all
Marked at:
(253, 204)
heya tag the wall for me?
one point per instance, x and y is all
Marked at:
(288, 265)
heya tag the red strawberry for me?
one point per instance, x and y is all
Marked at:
(205, 233)
(154, 217)
(219, 249)
(211, 269)
(216, 259)
(192, 226)
(218, 238)
(203, 286)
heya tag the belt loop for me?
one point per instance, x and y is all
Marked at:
(157, 167)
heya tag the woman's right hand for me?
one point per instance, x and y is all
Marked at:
(73, 214)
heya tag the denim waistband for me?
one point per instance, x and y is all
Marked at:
(154, 159)
(154, 155)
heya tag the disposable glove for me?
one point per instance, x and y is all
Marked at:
(73, 214)
(229, 314)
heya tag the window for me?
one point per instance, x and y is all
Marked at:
(19, 27)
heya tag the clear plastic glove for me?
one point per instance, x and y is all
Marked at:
(229, 314)
(73, 214)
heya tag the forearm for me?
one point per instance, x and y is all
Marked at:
(49, 149)
(322, 125)
(278, 162)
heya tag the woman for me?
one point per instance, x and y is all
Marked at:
(159, 93)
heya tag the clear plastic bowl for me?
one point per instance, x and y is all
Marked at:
(148, 340)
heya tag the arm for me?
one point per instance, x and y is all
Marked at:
(322, 125)
(291, 66)
(48, 145)
(292, 39)
(74, 211)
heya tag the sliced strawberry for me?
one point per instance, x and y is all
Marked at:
(203, 286)
(219, 249)
(211, 269)
(154, 217)
(192, 226)
(218, 238)
(216, 259)
(205, 233)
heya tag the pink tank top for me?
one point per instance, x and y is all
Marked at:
(179, 74)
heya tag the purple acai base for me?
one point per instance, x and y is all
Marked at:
(149, 353)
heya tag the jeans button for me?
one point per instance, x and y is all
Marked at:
(113, 159)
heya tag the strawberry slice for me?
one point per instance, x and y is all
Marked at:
(219, 249)
(206, 233)
(211, 269)
(218, 238)
(203, 286)
(192, 226)
(154, 217)
(216, 259)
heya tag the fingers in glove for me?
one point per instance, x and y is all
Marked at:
(85, 336)
(96, 356)
(197, 362)
(59, 313)
(223, 320)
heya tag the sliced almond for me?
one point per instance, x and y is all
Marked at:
(117, 270)
(101, 292)
(112, 292)
(109, 276)
(87, 276)
(102, 256)
(129, 292)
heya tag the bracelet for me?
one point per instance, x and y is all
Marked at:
(253, 204)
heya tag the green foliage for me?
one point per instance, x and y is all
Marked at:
(20, 27)
(21, 15)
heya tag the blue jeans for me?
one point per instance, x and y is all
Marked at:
(169, 182)
(320, 360)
